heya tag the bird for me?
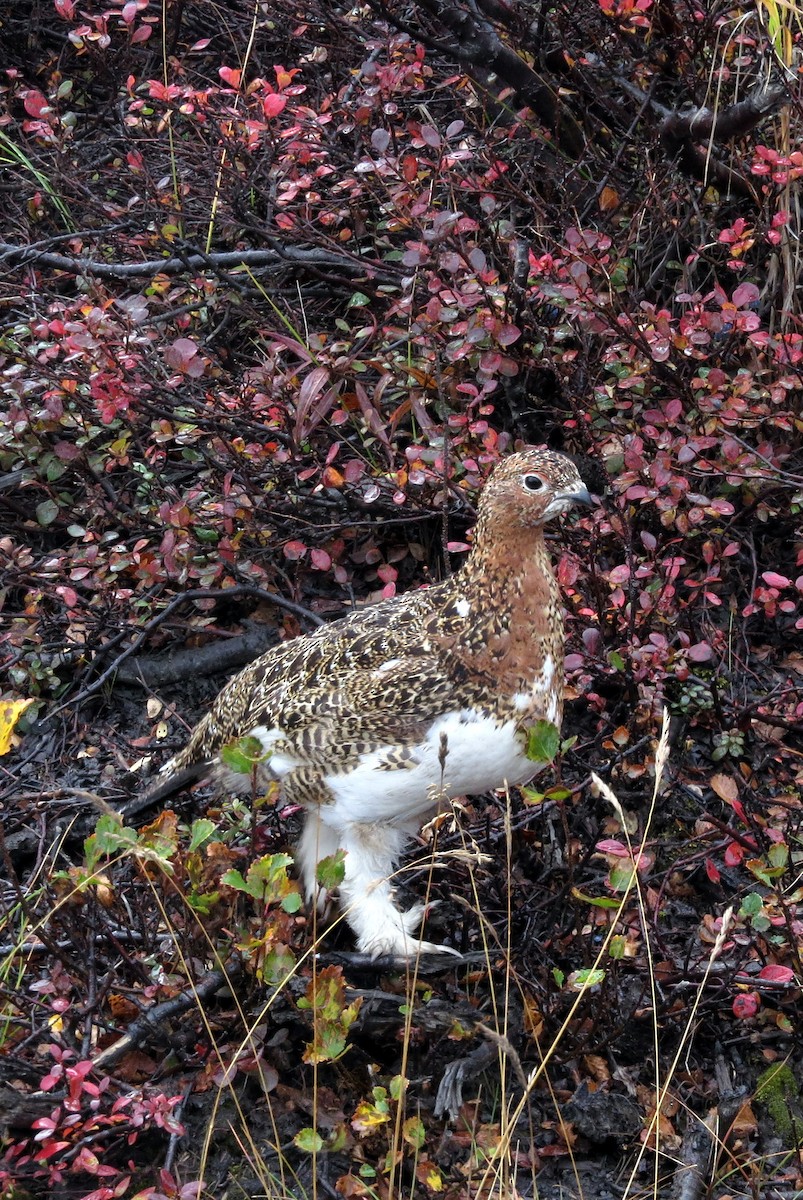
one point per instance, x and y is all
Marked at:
(371, 722)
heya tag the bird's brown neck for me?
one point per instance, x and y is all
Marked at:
(517, 559)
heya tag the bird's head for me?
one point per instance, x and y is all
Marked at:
(530, 488)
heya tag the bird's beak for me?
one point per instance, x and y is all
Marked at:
(580, 495)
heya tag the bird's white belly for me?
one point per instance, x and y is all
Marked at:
(464, 752)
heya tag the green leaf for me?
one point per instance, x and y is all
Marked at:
(586, 978)
(203, 902)
(778, 855)
(621, 875)
(358, 300)
(201, 831)
(266, 880)
(46, 512)
(242, 756)
(235, 760)
(617, 946)
(292, 902)
(234, 879)
(309, 1140)
(751, 905)
(278, 966)
(330, 870)
(414, 1133)
(110, 837)
(559, 976)
(329, 1046)
(616, 660)
(757, 867)
(543, 742)
(597, 901)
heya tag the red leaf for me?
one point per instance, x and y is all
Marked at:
(746, 293)
(308, 414)
(409, 165)
(273, 104)
(35, 103)
(230, 75)
(746, 1006)
(612, 846)
(68, 595)
(712, 871)
(319, 559)
(738, 808)
(294, 550)
(773, 579)
(775, 974)
(700, 652)
(734, 854)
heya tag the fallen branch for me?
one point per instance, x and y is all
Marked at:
(193, 594)
(214, 658)
(151, 1022)
(693, 1172)
(289, 256)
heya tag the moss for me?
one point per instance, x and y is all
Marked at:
(777, 1089)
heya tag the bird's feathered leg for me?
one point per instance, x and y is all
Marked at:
(366, 894)
(317, 841)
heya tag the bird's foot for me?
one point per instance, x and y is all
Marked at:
(415, 915)
(392, 936)
(402, 946)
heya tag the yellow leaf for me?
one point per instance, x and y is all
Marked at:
(608, 199)
(725, 787)
(367, 1117)
(10, 713)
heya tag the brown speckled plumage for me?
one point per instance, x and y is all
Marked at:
(369, 716)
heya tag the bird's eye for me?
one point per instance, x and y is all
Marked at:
(533, 483)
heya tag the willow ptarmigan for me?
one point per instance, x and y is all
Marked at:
(372, 719)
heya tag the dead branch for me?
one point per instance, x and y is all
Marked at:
(193, 594)
(151, 1022)
(195, 260)
(717, 125)
(683, 130)
(476, 42)
(693, 1172)
(155, 670)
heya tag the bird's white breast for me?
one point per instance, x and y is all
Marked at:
(464, 752)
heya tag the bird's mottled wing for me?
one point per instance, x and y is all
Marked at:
(332, 669)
